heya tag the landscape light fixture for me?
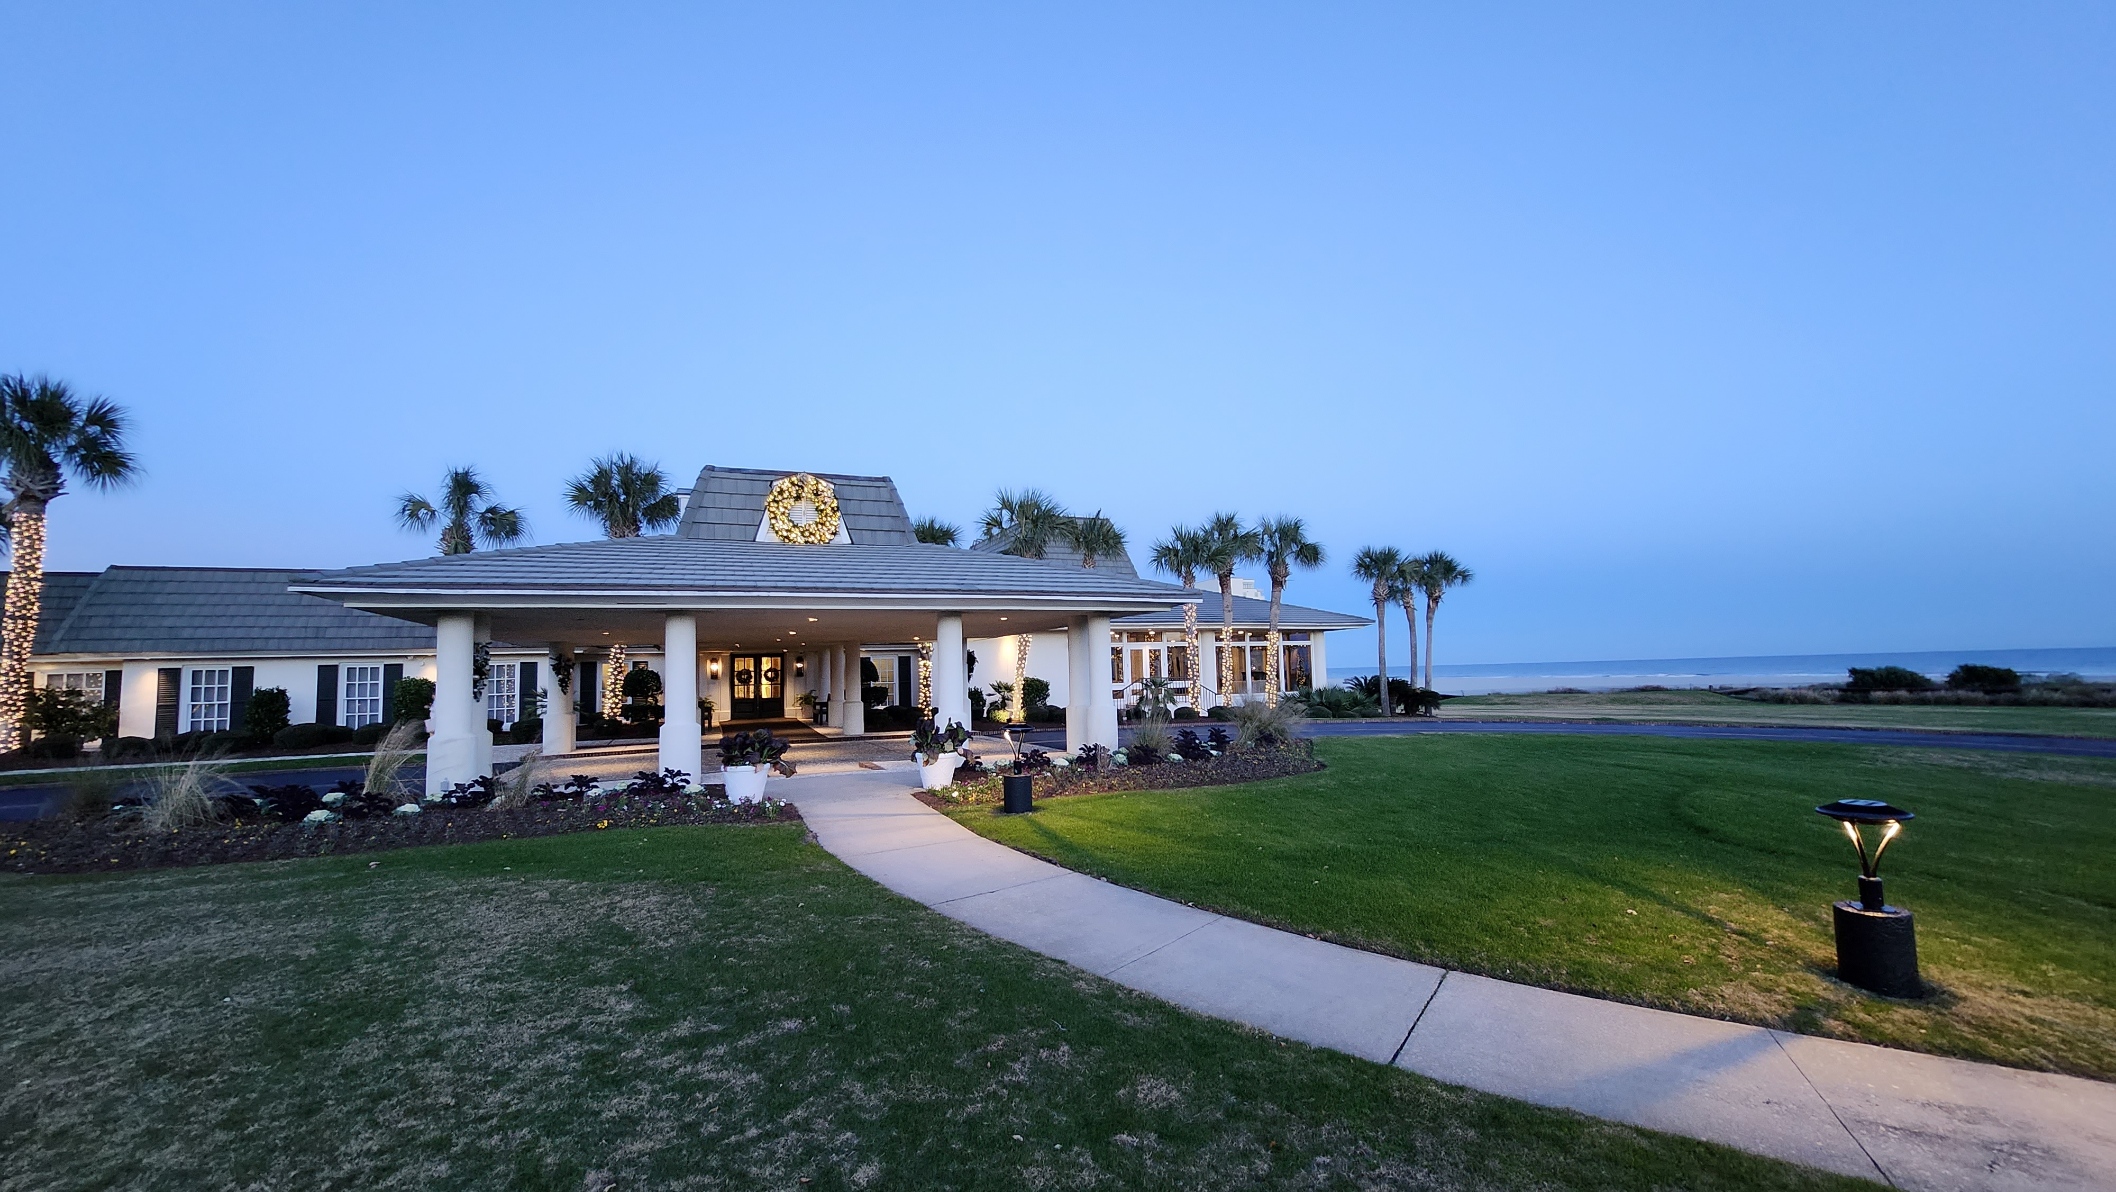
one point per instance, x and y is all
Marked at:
(1877, 944)
(1018, 789)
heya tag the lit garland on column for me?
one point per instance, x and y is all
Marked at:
(18, 624)
(925, 677)
(613, 687)
(1021, 677)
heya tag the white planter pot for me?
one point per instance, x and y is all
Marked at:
(941, 773)
(745, 784)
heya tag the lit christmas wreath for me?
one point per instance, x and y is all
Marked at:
(803, 508)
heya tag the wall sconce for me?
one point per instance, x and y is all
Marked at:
(800, 664)
(1877, 944)
(712, 668)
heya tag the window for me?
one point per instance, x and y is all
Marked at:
(500, 701)
(209, 700)
(88, 683)
(360, 696)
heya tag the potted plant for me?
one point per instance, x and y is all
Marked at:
(747, 759)
(937, 751)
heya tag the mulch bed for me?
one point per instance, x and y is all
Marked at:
(1246, 765)
(102, 846)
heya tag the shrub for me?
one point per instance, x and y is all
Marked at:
(1887, 678)
(267, 713)
(309, 736)
(977, 704)
(127, 748)
(1257, 723)
(53, 748)
(1151, 743)
(641, 683)
(1186, 712)
(64, 712)
(1991, 680)
(1219, 712)
(414, 699)
(1046, 714)
(526, 732)
(1035, 692)
(370, 734)
(1402, 695)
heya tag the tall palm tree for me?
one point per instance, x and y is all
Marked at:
(936, 532)
(466, 514)
(46, 433)
(1437, 572)
(1404, 588)
(1286, 545)
(1032, 518)
(627, 495)
(1095, 537)
(1183, 554)
(1379, 565)
(1229, 544)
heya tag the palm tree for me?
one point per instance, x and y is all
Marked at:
(1183, 554)
(936, 532)
(1032, 518)
(1228, 545)
(45, 434)
(1094, 536)
(1285, 546)
(625, 494)
(467, 515)
(1404, 588)
(1437, 572)
(1379, 565)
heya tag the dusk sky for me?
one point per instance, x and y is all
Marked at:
(1694, 329)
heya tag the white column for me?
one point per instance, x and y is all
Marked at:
(680, 748)
(558, 703)
(854, 721)
(1082, 680)
(451, 754)
(481, 738)
(951, 686)
(1320, 664)
(1209, 655)
(1102, 706)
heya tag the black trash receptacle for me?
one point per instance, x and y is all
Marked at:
(1020, 794)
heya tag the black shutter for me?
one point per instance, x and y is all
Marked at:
(392, 674)
(327, 693)
(113, 687)
(168, 683)
(240, 683)
(527, 701)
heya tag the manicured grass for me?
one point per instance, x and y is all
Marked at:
(677, 1008)
(1705, 707)
(1691, 875)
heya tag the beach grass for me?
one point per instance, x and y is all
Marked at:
(1688, 875)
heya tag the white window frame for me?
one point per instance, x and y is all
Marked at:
(359, 694)
(503, 700)
(213, 681)
(88, 683)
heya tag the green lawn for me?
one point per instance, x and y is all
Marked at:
(1691, 875)
(677, 1008)
(1706, 707)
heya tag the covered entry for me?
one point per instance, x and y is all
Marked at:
(757, 687)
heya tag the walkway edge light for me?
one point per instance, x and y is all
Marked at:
(1877, 945)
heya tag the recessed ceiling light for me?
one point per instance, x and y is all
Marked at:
(811, 618)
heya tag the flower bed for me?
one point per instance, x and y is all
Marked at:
(1236, 766)
(114, 842)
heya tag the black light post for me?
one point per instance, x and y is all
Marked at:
(1877, 944)
(1019, 788)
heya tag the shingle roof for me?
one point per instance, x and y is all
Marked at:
(62, 591)
(658, 566)
(1248, 614)
(129, 612)
(727, 504)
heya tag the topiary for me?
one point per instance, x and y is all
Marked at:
(268, 712)
(414, 699)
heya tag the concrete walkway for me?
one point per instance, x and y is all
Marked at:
(1916, 1121)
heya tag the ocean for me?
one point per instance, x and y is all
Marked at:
(1766, 670)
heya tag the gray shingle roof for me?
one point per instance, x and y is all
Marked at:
(727, 504)
(129, 612)
(62, 591)
(1248, 614)
(658, 566)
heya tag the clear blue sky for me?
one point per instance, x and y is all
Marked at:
(1695, 329)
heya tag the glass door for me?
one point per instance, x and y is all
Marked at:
(758, 687)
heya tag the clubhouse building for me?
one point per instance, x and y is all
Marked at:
(779, 594)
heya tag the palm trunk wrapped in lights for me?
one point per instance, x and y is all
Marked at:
(1020, 712)
(1271, 668)
(18, 624)
(1193, 666)
(613, 687)
(925, 677)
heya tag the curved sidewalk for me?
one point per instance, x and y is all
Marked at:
(1917, 1121)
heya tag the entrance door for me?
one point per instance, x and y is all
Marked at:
(759, 687)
